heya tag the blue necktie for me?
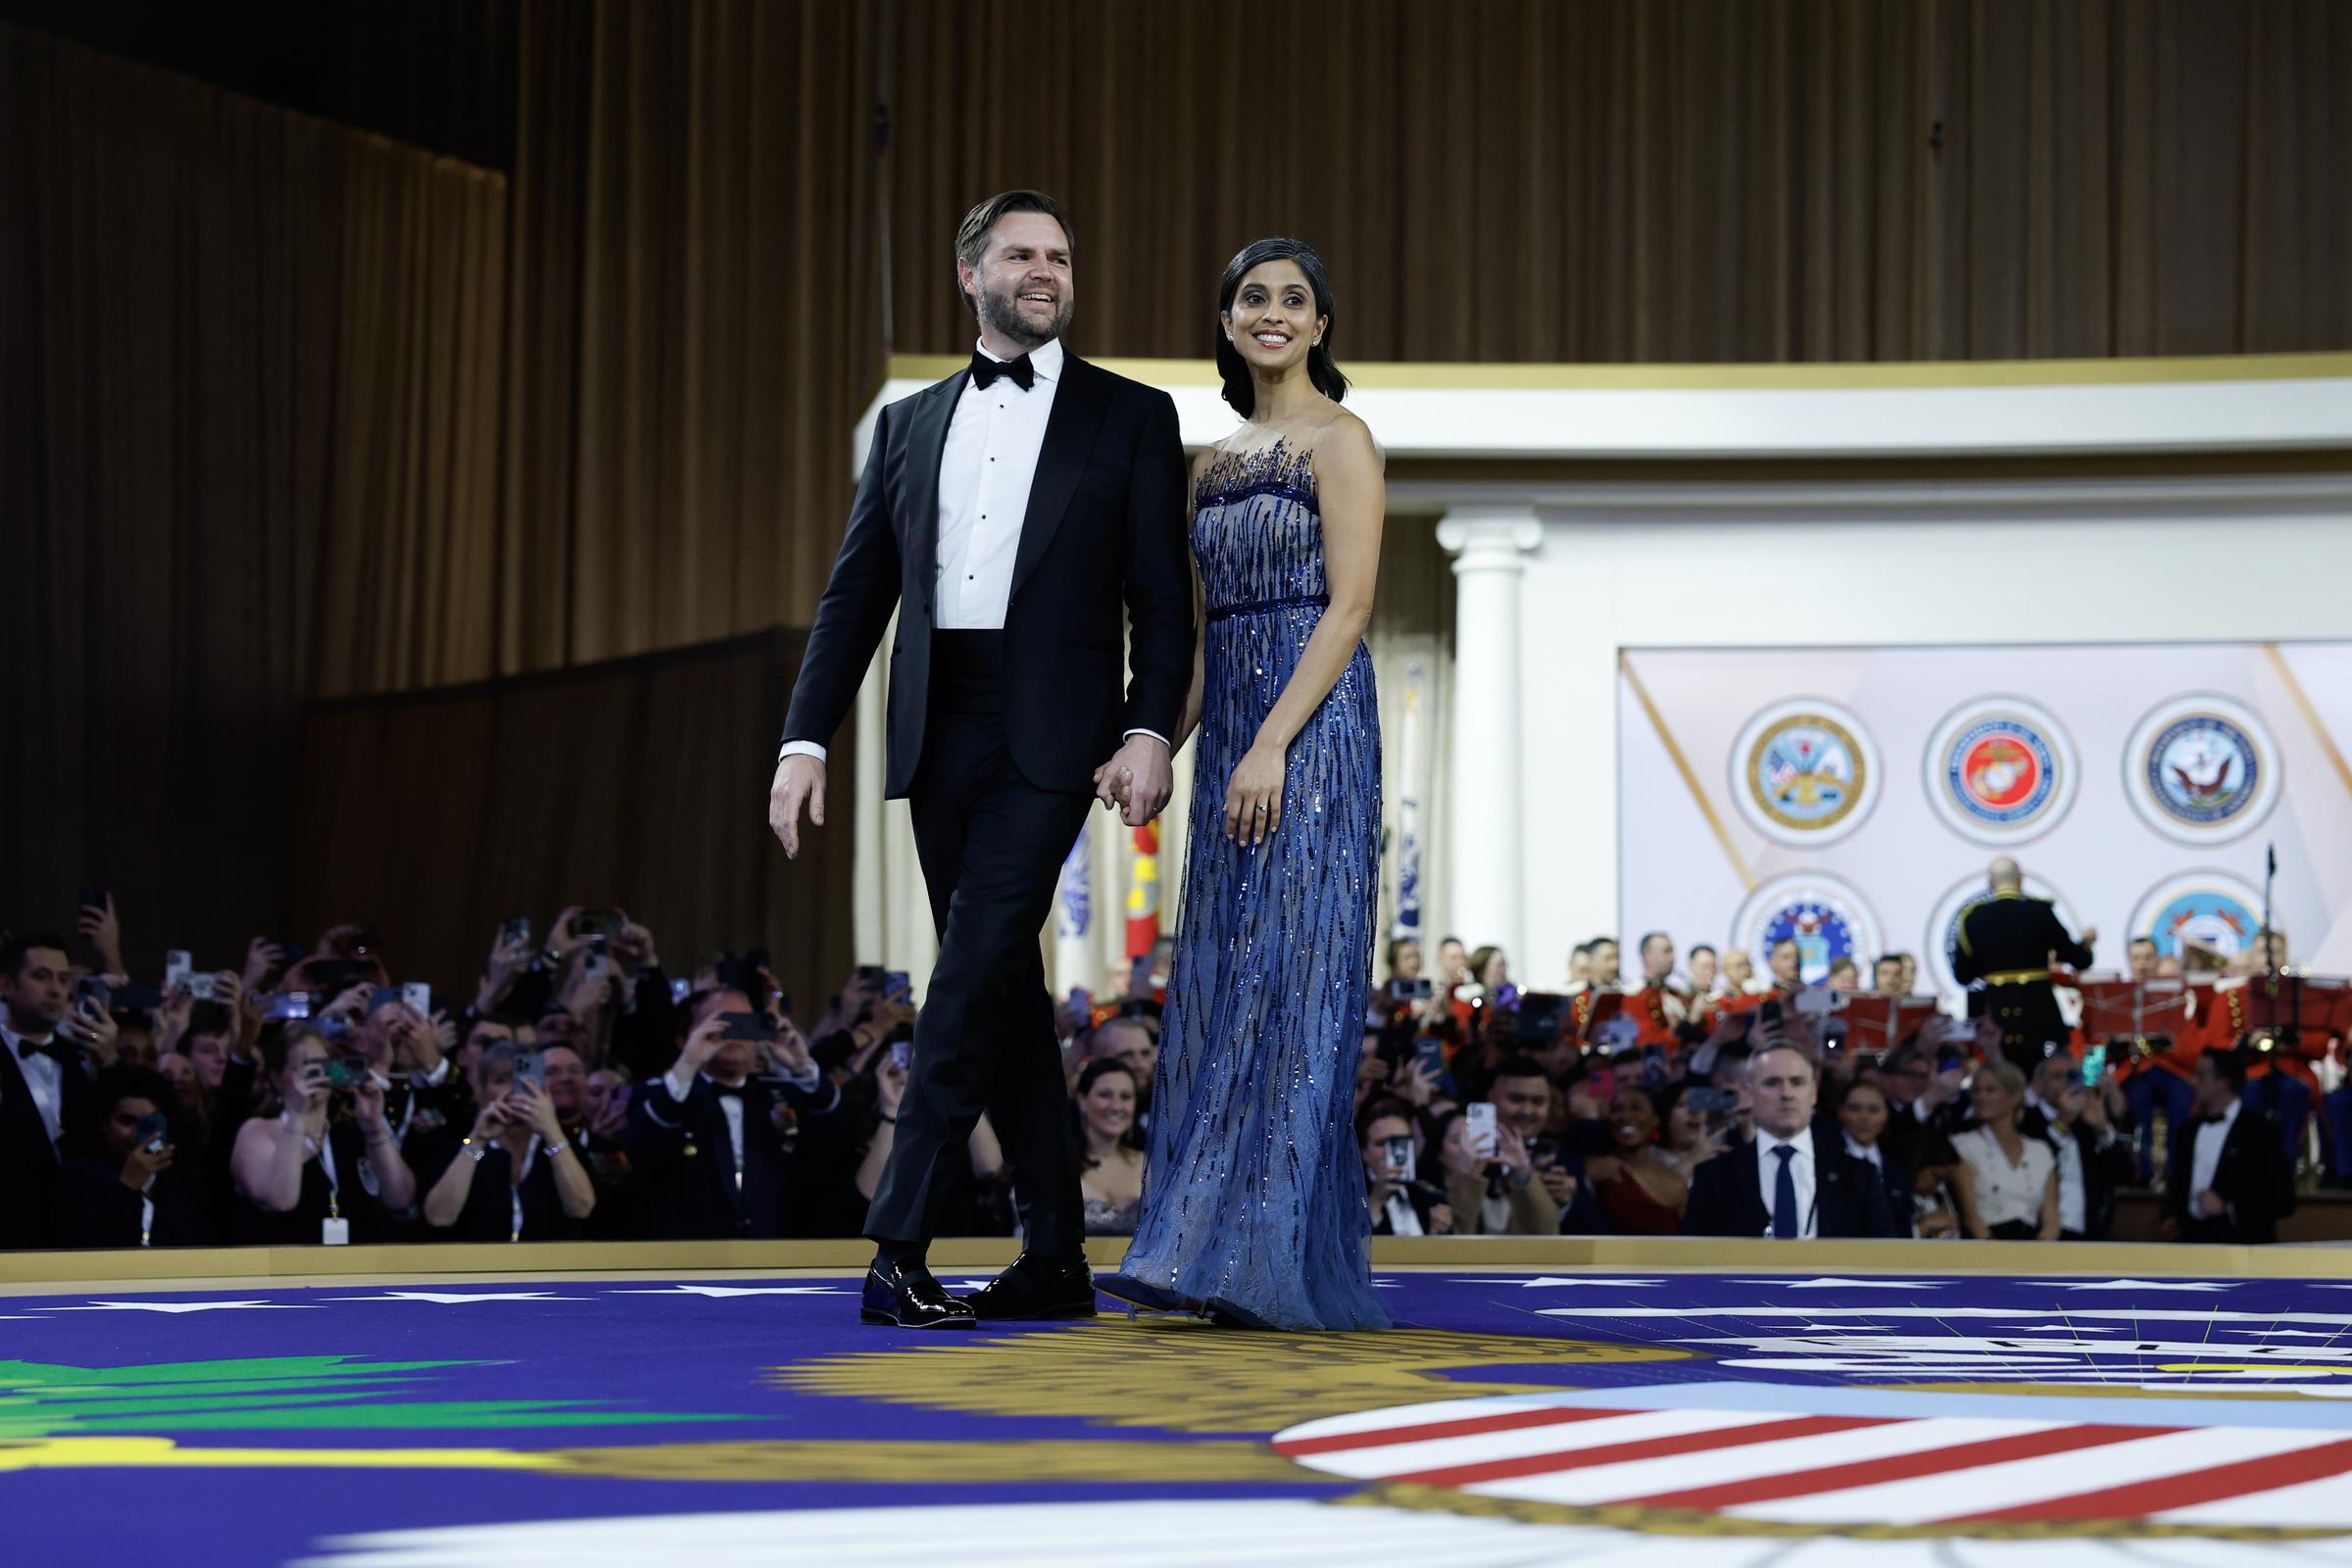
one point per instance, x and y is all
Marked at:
(1784, 1195)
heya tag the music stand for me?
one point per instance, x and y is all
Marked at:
(2287, 1012)
(1882, 1020)
(2118, 1011)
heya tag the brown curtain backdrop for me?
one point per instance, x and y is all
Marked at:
(634, 784)
(1581, 181)
(240, 391)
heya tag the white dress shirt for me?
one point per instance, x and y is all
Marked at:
(1800, 1171)
(44, 1076)
(2206, 1162)
(2074, 1205)
(986, 472)
(1402, 1221)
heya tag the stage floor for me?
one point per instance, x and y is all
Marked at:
(1518, 1416)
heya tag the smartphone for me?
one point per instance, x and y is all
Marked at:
(200, 987)
(1484, 1133)
(1768, 1013)
(898, 985)
(1399, 1154)
(285, 1005)
(177, 965)
(1601, 1084)
(901, 1054)
(153, 1132)
(1816, 1001)
(516, 928)
(1418, 989)
(871, 973)
(1542, 1016)
(93, 992)
(2095, 1064)
(1715, 1105)
(419, 994)
(1429, 1054)
(747, 1026)
(1615, 1034)
(94, 897)
(679, 989)
(346, 1072)
(593, 965)
(531, 1067)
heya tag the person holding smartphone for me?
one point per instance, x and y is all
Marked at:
(47, 1111)
(706, 1138)
(1401, 1204)
(129, 1193)
(320, 1164)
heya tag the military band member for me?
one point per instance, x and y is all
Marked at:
(2009, 942)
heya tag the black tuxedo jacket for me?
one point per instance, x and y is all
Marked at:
(2104, 1171)
(1105, 528)
(30, 1166)
(1727, 1194)
(683, 1165)
(2253, 1178)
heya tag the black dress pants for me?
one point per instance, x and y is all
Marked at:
(991, 845)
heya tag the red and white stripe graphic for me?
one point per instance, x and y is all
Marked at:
(1842, 1470)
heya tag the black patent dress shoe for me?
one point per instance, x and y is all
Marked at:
(910, 1297)
(1036, 1287)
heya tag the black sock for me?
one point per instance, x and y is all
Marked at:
(898, 1255)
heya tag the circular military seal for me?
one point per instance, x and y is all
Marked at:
(2201, 769)
(2000, 770)
(2211, 908)
(1804, 772)
(1942, 938)
(1828, 918)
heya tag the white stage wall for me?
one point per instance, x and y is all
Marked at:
(1719, 810)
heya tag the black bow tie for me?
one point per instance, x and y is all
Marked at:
(985, 371)
(54, 1049)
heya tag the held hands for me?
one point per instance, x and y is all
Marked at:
(800, 779)
(1137, 780)
(1254, 797)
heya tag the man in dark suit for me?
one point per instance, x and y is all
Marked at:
(1792, 1180)
(2229, 1179)
(128, 1191)
(48, 1109)
(2094, 1154)
(1007, 513)
(2009, 942)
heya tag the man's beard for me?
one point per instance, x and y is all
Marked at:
(1002, 314)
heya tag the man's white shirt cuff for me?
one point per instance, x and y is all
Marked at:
(801, 748)
(1154, 734)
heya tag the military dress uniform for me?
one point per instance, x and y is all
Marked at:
(2007, 942)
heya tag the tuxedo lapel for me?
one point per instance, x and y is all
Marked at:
(1070, 432)
(927, 440)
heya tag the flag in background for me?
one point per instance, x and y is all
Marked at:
(1143, 892)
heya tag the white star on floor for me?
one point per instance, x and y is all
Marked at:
(1566, 1279)
(739, 1290)
(453, 1297)
(2143, 1285)
(182, 1306)
(1832, 1284)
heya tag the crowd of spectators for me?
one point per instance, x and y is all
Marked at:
(583, 1089)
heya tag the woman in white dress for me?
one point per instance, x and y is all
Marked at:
(2014, 1178)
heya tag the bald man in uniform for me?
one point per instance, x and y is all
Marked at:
(2009, 942)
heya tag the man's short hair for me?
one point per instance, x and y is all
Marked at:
(1648, 937)
(2230, 1065)
(18, 946)
(2141, 941)
(1707, 947)
(1811, 1062)
(1602, 941)
(1521, 1067)
(1583, 950)
(1778, 943)
(971, 235)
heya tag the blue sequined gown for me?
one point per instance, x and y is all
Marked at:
(1253, 1189)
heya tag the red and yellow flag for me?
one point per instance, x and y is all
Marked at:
(1143, 892)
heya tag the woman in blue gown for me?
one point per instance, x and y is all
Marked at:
(1254, 1191)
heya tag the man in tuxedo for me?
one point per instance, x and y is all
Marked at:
(48, 1106)
(2095, 1158)
(2009, 942)
(1790, 1181)
(2229, 1179)
(707, 1155)
(1007, 513)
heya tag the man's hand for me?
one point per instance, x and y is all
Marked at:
(1558, 1181)
(2090, 937)
(790, 1052)
(1137, 779)
(263, 958)
(2210, 1205)
(140, 1167)
(799, 778)
(99, 923)
(702, 1045)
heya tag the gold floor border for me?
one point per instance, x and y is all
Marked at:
(230, 1269)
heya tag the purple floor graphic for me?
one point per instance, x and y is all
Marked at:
(1524, 1417)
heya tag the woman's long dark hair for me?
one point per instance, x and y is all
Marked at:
(1240, 390)
(1087, 1076)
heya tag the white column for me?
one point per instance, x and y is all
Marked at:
(1486, 835)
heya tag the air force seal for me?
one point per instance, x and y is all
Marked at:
(2000, 770)
(2201, 769)
(1825, 916)
(1804, 772)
